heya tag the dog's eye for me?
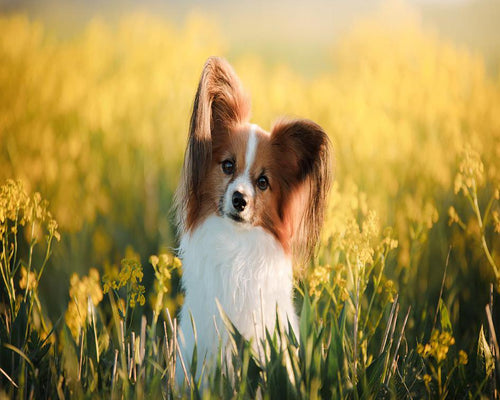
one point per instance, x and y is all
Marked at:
(262, 183)
(228, 167)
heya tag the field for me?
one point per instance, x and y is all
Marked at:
(401, 299)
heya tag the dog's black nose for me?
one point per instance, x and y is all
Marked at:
(239, 201)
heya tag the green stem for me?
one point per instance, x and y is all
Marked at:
(159, 300)
(47, 256)
(488, 209)
(32, 245)
(375, 289)
(331, 293)
(489, 257)
(34, 296)
(356, 319)
(448, 379)
(30, 258)
(481, 227)
(440, 381)
(15, 243)
(6, 275)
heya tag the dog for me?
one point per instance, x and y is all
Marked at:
(250, 203)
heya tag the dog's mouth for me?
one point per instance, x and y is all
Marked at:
(236, 217)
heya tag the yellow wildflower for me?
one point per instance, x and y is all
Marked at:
(18, 208)
(388, 242)
(471, 171)
(319, 277)
(438, 345)
(454, 218)
(137, 296)
(83, 292)
(338, 278)
(27, 280)
(463, 359)
(390, 290)
(371, 225)
(130, 276)
(13, 201)
(110, 278)
(163, 265)
(52, 227)
(496, 221)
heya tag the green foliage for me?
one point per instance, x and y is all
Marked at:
(342, 350)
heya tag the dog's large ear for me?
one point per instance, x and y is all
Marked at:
(219, 104)
(302, 151)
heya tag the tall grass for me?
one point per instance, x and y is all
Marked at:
(400, 300)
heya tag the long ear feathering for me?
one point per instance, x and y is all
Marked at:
(220, 103)
(304, 151)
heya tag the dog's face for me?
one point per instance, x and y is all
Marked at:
(236, 170)
(241, 165)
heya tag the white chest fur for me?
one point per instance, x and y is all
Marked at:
(246, 270)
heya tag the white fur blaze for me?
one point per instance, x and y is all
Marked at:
(251, 149)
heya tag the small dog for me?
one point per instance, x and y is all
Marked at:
(248, 200)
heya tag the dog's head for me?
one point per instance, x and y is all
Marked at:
(277, 181)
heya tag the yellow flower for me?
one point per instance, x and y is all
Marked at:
(371, 225)
(93, 286)
(496, 221)
(52, 227)
(154, 260)
(319, 277)
(130, 276)
(163, 266)
(27, 280)
(454, 218)
(463, 359)
(388, 242)
(18, 208)
(390, 290)
(424, 350)
(344, 294)
(84, 292)
(438, 345)
(471, 171)
(110, 278)
(137, 296)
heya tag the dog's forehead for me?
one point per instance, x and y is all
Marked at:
(251, 146)
(247, 129)
(249, 140)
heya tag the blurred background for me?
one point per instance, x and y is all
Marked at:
(95, 99)
(282, 31)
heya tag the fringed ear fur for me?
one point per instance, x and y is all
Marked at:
(219, 104)
(302, 149)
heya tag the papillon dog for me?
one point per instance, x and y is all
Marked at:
(249, 206)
